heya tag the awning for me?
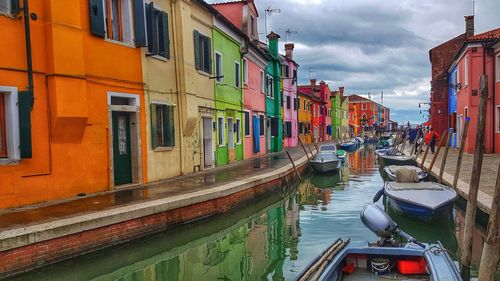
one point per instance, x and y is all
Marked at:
(428, 123)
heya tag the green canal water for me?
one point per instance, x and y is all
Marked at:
(272, 238)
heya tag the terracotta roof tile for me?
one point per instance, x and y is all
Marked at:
(492, 34)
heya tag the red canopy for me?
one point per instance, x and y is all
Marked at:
(428, 123)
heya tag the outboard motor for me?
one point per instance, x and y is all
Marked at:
(383, 226)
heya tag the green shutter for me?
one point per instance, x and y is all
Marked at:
(25, 101)
(208, 54)
(154, 133)
(96, 10)
(139, 28)
(170, 126)
(197, 51)
(150, 27)
(166, 39)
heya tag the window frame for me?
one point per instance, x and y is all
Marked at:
(252, 25)
(237, 74)
(270, 86)
(221, 141)
(497, 119)
(245, 71)
(262, 125)
(3, 128)
(363, 106)
(12, 125)
(158, 37)
(466, 70)
(165, 145)
(219, 71)
(262, 82)
(246, 115)
(497, 68)
(108, 24)
(238, 132)
(205, 52)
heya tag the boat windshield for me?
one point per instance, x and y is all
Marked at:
(330, 147)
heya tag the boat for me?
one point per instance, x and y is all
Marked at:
(360, 140)
(424, 200)
(392, 171)
(384, 259)
(326, 160)
(348, 146)
(400, 160)
(341, 154)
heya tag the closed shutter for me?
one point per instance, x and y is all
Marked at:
(150, 28)
(247, 123)
(256, 137)
(170, 127)
(166, 39)
(274, 127)
(197, 51)
(97, 18)
(139, 28)
(154, 129)
(25, 100)
(208, 55)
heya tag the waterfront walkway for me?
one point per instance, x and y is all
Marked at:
(173, 187)
(488, 173)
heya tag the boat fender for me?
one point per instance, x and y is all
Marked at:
(378, 195)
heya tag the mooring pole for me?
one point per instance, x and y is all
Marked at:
(425, 153)
(305, 151)
(293, 165)
(445, 135)
(461, 152)
(491, 248)
(445, 155)
(470, 214)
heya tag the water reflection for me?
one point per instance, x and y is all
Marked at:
(273, 238)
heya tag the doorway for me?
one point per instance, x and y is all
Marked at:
(122, 156)
(208, 155)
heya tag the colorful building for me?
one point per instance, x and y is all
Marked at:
(344, 115)
(290, 98)
(304, 115)
(480, 54)
(325, 112)
(336, 113)
(365, 114)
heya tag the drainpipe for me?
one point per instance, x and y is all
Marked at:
(29, 62)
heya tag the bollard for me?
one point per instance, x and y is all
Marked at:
(445, 155)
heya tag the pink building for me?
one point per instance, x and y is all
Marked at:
(325, 120)
(290, 98)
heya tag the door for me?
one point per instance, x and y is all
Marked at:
(122, 158)
(207, 142)
(230, 139)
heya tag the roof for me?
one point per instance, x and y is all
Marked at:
(358, 98)
(488, 35)
(239, 1)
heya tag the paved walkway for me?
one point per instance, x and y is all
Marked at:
(51, 211)
(488, 173)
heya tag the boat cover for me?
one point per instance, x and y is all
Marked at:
(398, 186)
(427, 194)
(394, 168)
(406, 175)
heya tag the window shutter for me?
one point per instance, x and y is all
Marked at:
(25, 100)
(166, 39)
(208, 54)
(170, 127)
(197, 51)
(97, 18)
(154, 133)
(139, 28)
(149, 28)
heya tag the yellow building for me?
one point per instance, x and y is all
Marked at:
(304, 117)
(344, 115)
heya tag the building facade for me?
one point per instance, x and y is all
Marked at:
(274, 119)
(304, 116)
(290, 98)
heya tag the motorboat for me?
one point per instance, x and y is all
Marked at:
(392, 172)
(341, 154)
(400, 160)
(388, 151)
(423, 200)
(348, 146)
(383, 260)
(326, 159)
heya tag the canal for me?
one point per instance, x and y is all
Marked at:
(272, 238)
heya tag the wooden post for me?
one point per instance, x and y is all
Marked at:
(445, 155)
(444, 136)
(293, 165)
(491, 248)
(305, 151)
(461, 152)
(470, 214)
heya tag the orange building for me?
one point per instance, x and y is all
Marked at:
(81, 132)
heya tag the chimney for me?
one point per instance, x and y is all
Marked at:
(313, 83)
(289, 50)
(273, 43)
(341, 91)
(469, 27)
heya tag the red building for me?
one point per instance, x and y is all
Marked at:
(440, 57)
(320, 109)
(478, 55)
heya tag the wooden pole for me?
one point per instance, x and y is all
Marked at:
(470, 214)
(445, 155)
(461, 152)
(445, 135)
(293, 165)
(305, 151)
(491, 248)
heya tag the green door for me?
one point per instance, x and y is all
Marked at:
(122, 161)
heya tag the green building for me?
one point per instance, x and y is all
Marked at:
(336, 115)
(273, 96)
(228, 95)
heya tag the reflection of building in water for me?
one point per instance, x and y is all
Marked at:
(362, 161)
(292, 225)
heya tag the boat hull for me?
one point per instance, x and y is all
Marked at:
(396, 160)
(326, 166)
(347, 147)
(419, 212)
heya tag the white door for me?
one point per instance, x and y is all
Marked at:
(230, 133)
(207, 142)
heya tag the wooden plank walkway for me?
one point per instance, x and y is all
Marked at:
(488, 174)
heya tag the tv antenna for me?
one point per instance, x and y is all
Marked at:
(268, 12)
(312, 72)
(288, 32)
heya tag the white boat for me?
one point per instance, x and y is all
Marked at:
(326, 160)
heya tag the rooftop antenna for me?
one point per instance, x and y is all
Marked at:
(312, 72)
(268, 12)
(382, 98)
(473, 6)
(369, 95)
(288, 32)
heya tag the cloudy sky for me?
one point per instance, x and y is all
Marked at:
(374, 45)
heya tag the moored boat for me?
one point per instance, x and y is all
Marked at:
(348, 146)
(400, 160)
(341, 154)
(392, 172)
(326, 160)
(424, 200)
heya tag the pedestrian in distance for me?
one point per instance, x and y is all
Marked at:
(431, 138)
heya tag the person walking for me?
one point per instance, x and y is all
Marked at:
(431, 138)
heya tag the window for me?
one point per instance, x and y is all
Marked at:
(202, 52)
(9, 7)
(262, 82)
(363, 106)
(252, 25)
(466, 112)
(238, 130)
(294, 80)
(497, 119)
(305, 106)
(262, 124)
(118, 19)
(157, 29)
(466, 71)
(274, 127)
(457, 78)
(287, 71)
(245, 71)
(3, 133)
(288, 129)
(218, 68)
(270, 86)
(288, 102)
(220, 130)
(11, 126)
(497, 68)
(162, 126)
(247, 123)
(237, 75)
